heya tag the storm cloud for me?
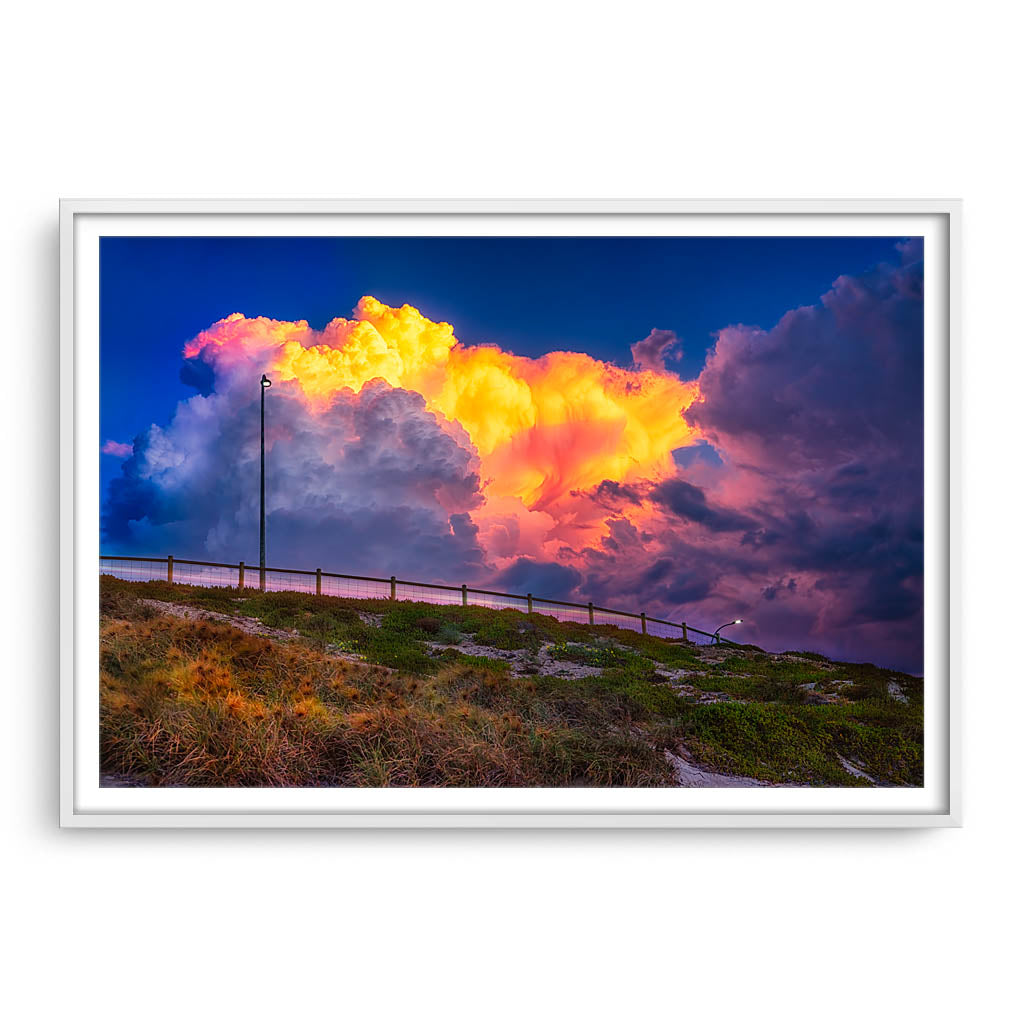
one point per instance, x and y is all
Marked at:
(783, 486)
(689, 502)
(811, 527)
(371, 476)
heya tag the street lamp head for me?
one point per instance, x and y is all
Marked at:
(265, 381)
(731, 622)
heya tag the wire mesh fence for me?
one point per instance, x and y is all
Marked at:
(666, 630)
(203, 575)
(367, 589)
(405, 591)
(315, 581)
(562, 612)
(138, 569)
(624, 620)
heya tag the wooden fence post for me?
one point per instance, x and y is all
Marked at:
(393, 581)
(529, 604)
(318, 591)
(241, 575)
(465, 594)
(170, 568)
(590, 611)
(684, 632)
(643, 623)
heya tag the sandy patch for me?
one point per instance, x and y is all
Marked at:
(852, 769)
(522, 663)
(816, 696)
(689, 775)
(896, 692)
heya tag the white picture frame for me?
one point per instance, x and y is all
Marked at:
(84, 804)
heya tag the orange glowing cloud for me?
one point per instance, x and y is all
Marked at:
(543, 428)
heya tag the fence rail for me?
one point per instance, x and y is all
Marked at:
(337, 584)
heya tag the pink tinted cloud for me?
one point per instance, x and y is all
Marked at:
(118, 448)
(811, 527)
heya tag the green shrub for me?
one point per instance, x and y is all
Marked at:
(449, 634)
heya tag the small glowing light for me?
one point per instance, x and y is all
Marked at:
(737, 622)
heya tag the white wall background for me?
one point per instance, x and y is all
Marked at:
(876, 99)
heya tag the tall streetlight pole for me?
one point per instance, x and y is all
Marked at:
(264, 384)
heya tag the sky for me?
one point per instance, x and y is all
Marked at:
(707, 428)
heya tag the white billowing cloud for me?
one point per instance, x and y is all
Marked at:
(375, 479)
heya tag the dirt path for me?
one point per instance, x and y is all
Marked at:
(246, 623)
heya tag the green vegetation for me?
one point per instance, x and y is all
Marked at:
(341, 692)
(780, 743)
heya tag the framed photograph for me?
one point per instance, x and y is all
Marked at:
(509, 513)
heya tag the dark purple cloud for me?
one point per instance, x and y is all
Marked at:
(613, 495)
(689, 502)
(547, 579)
(651, 352)
(812, 526)
(833, 384)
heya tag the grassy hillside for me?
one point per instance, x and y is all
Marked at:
(210, 687)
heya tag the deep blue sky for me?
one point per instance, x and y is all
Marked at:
(529, 295)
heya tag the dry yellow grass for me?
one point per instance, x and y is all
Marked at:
(196, 703)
